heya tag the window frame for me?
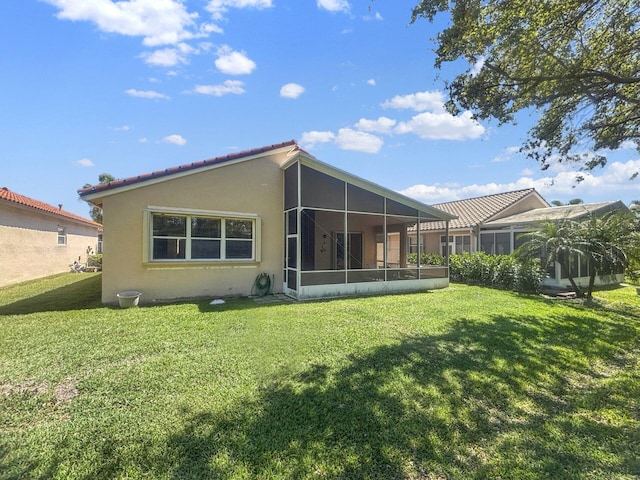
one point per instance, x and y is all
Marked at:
(148, 241)
(62, 236)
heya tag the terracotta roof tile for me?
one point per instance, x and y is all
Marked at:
(183, 168)
(474, 211)
(9, 196)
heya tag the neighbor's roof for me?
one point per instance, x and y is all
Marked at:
(15, 198)
(570, 212)
(475, 211)
(183, 168)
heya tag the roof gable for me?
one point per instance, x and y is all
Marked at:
(15, 198)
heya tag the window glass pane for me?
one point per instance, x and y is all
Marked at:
(205, 227)
(169, 226)
(466, 243)
(239, 249)
(169, 249)
(239, 229)
(205, 249)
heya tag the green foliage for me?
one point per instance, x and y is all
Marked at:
(95, 260)
(459, 383)
(499, 271)
(426, 259)
(575, 62)
(96, 212)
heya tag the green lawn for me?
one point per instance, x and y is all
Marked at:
(460, 383)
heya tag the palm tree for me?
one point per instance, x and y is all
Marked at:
(554, 242)
(604, 241)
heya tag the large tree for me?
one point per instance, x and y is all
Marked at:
(96, 212)
(576, 62)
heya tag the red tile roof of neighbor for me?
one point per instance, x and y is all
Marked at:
(185, 167)
(474, 211)
(9, 196)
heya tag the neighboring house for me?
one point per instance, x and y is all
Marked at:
(211, 228)
(38, 239)
(494, 224)
(467, 232)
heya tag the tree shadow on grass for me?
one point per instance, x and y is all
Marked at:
(510, 398)
(78, 295)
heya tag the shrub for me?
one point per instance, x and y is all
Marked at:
(95, 261)
(499, 271)
(426, 259)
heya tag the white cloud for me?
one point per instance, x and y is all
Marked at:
(611, 183)
(146, 94)
(174, 139)
(310, 139)
(232, 62)
(348, 139)
(345, 139)
(123, 128)
(143, 140)
(628, 145)
(166, 57)
(84, 162)
(420, 102)
(475, 70)
(371, 82)
(505, 155)
(291, 90)
(381, 125)
(442, 126)
(334, 5)
(160, 22)
(219, 7)
(234, 87)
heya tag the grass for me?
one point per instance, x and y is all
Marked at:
(462, 383)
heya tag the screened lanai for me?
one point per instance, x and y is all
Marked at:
(347, 236)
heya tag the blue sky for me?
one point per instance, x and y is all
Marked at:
(130, 87)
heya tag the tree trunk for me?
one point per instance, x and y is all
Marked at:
(592, 281)
(576, 288)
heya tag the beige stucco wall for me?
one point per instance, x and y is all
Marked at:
(29, 244)
(247, 187)
(530, 202)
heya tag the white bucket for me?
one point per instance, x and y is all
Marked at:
(128, 299)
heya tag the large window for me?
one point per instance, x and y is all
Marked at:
(195, 237)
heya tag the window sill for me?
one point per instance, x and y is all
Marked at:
(200, 265)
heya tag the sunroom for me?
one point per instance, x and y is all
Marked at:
(346, 236)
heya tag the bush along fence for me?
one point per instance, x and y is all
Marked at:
(505, 272)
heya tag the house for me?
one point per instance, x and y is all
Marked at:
(38, 239)
(212, 228)
(494, 224)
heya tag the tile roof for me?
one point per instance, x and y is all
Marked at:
(475, 211)
(9, 196)
(572, 212)
(184, 168)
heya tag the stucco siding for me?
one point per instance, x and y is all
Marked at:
(250, 187)
(29, 244)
